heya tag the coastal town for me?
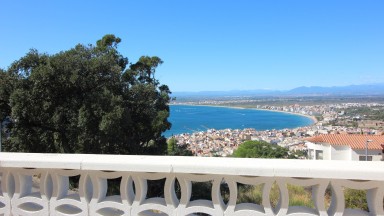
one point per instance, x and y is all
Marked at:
(223, 142)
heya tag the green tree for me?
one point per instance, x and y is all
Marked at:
(7, 84)
(175, 149)
(88, 99)
(260, 149)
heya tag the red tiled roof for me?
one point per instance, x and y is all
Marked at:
(355, 141)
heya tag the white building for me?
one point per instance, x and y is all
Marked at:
(345, 147)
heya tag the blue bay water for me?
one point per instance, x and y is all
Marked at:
(188, 119)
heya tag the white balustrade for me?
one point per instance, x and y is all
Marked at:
(40, 184)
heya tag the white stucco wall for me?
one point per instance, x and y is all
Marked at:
(340, 152)
(376, 154)
(336, 152)
(327, 152)
(319, 147)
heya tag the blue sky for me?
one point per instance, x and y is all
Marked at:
(215, 44)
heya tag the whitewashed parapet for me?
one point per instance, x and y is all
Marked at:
(38, 184)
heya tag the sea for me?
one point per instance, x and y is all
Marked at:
(190, 119)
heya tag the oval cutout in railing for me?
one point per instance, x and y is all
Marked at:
(2, 205)
(110, 211)
(30, 206)
(68, 209)
(224, 192)
(152, 213)
(275, 197)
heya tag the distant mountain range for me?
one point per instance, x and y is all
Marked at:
(368, 89)
(373, 89)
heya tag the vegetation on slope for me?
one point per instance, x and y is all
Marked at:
(88, 99)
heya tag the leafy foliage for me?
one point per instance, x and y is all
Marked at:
(260, 149)
(177, 150)
(6, 88)
(88, 99)
(356, 199)
(370, 113)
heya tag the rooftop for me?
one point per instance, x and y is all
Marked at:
(355, 141)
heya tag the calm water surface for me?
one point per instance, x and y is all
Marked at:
(188, 119)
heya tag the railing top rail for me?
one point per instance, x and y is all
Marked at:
(362, 170)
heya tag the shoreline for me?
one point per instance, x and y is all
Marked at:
(313, 118)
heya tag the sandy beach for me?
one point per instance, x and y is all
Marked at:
(292, 113)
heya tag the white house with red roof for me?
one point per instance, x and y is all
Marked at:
(345, 147)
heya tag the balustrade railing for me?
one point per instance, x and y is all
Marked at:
(78, 184)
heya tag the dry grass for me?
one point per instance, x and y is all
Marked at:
(298, 196)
